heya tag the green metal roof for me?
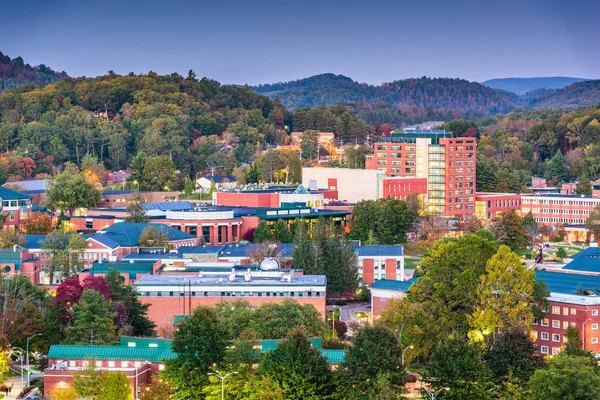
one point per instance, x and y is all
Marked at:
(123, 267)
(9, 194)
(271, 344)
(81, 352)
(334, 356)
(178, 318)
(127, 234)
(128, 341)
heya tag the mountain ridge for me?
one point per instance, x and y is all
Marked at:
(522, 86)
(15, 72)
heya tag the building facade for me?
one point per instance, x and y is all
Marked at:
(489, 205)
(448, 164)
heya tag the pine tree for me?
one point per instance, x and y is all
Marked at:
(262, 233)
(556, 168)
(303, 254)
(92, 320)
(282, 232)
(584, 186)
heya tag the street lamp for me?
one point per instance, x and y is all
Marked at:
(433, 395)
(404, 351)
(135, 391)
(223, 377)
(28, 370)
(21, 357)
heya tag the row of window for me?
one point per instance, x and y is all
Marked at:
(109, 364)
(231, 294)
(460, 163)
(459, 207)
(562, 202)
(460, 155)
(459, 192)
(557, 220)
(563, 211)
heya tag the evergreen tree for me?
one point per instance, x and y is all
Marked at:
(584, 186)
(283, 234)
(556, 168)
(262, 233)
(200, 342)
(375, 355)
(513, 355)
(92, 320)
(299, 369)
(574, 345)
(303, 253)
(530, 225)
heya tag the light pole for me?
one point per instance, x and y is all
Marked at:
(433, 395)
(135, 391)
(404, 351)
(223, 377)
(28, 370)
(21, 357)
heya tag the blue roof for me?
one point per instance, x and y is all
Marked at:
(9, 194)
(389, 284)
(379, 251)
(565, 283)
(244, 250)
(34, 241)
(124, 267)
(152, 256)
(198, 249)
(169, 206)
(103, 239)
(586, 260)
(127, 234)
(109, 192)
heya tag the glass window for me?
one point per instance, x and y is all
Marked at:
(555, 337)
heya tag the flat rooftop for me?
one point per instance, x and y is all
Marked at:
(183, 280)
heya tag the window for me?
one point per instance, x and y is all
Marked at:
(544, 335)
(594, 312)
(594, 340)
(565, 310)
(111, 364)
(545, 322)
(565, 324)
(573, 311)
(555, 337)
(555, 310)
(594, 327)
(555, 323)
(555, 350)
(544, 349)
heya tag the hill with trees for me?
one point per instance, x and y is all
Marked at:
(576, 95)
(521, 86)
(14, 72)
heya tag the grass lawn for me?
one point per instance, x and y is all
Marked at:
(361, 314)
(411, 262)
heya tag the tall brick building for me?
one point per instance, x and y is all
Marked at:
(448, 164)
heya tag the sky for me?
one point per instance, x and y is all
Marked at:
(266, 41)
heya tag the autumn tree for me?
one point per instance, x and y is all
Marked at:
(154, 236)
(509, 230)
(137, 213)
(3, 365)
(505, 295)
(10, 238)
(592, 223)
(37, 223)
(71, 190)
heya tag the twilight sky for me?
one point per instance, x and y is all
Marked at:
(265, 41)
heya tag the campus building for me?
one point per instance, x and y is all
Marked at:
(489, 205)
(384, 290)
(16, 206)
(448, 164)
(171, 295)
(380, 262)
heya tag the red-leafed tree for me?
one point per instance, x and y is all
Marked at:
(99, 284)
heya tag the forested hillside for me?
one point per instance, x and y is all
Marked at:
(198, 124)
(443, 94)
(14, 72)
(524, 85)
(576, 95)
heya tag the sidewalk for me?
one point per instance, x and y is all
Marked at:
(17, 387)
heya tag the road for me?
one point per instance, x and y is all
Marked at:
(15, 381)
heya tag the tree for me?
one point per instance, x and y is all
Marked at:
(451, 271)
(574, 345)
(92, 320)
(153, 236)
(513, 355)
(200, 342)
(114, 386)
(37, 223)
(556, 168)
(71, 190)
(309, 142)
(592, 223)
(401, 317)
(86, 381)
(375, 354)
(561, 253)
(63, 393)
(157, 390)
(568, 378)
(303, 252)
(9, 238)
(158, 174)
(282, 232)
(584, 186)
(262, 233)
(3, 366)
(299, 369)
(509, 230)
(136, 321)
(530, 225)
(386, 219)
(137, 213)
(504, 296)
(457, 365)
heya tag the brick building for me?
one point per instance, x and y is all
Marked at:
(384, 290)
(380, 262)
(489, 205)
(448, 164)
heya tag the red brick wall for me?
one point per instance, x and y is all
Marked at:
(378, 305)
(401, 188)
(368, 271)
(163, 309)
(462, 151)
(390, 268)
(265, 200)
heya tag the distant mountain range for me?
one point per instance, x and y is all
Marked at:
(521, 86)
(450, 95)
(14, 72)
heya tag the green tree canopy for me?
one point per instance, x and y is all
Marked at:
(513, 355)
(566, 378)
(584, 186)
(92, 320)
(71, 190)
(158, 174)
(509, 230)
(299, 369)
(387, 220)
